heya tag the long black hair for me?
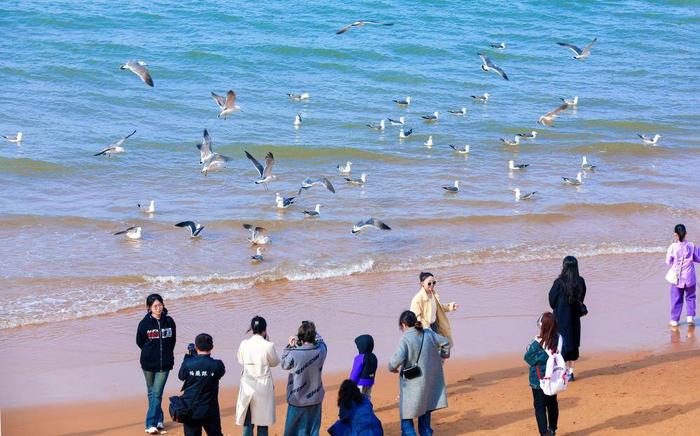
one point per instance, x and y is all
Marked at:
(680, 231)
(152, 299)
(570, 280)
(348, 394)
(409, 319)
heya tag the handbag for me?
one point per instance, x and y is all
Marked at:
(414, 370)
(178, 409)
(673, 275)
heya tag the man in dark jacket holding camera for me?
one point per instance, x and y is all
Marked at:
(201, 374)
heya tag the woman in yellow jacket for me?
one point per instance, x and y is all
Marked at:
(428, 309)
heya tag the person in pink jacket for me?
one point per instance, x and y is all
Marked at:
(681, 256)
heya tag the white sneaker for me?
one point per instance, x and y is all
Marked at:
(152, 430)
(673, 323)
(160, 426)
(690, 319)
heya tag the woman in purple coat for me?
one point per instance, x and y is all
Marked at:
(681, 256)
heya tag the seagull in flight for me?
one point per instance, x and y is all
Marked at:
(487, 66)
(283, 202)
(204, 148)
(459, 112)
(405, 102)
(481, 98)
(464, 150)
(195, 228)
(297, 121)
(361, 23)
(379, 126)
(513, 166)
(369, 223)
(586, 166)
(515, 141)
(579, 54)
(139, 68)
(499, 45)
(309, 182)
(214, 162)
(519, 196)
(227, 105)
(452, 188)
(345, 169)
(361, 181)
(151, 208)
(548, 118)
(299, 97)
(115, 148)
(650, 140)
(531, 135)
(14, 138)
(313, 213)
(575, 182)
(131, 232)
(400, 122)
(405, 134)
(571, 102)
(256, 234)
(258, 256)
(265, 172)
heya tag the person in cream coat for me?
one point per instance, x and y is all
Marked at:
(256, 395)
(431, 313)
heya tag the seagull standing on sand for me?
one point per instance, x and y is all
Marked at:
(361, 23)
(464, 150)
(265, 172)
(283, 202)
(513, 166)
(227, 105)
(115, 148)
(150, 209)
(575, 182)
(400, 122)
(17, 139)
(258, 256)
(361, 181)
(459, 112)
(405, 102)
(586, 166)
(527, 196)
(256, 234)
(481, 98)
(649, 140)
(487, 66)
(139, 68)
(531, 135)
(297, 121)
(369, 223)
(195, 228)
(299, 97)
(579, 54)
(131, 232)
(548, 118)
(314, 213)
(379, 126)
(571, 102)
(452, 188)
(345, 169)
(309, 182)
(515, 141)
(429, 142)
(432, 117)
(405, 134)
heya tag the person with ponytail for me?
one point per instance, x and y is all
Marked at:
(155, 336)
(256, 394)
(548, 339)
(566, 300)
(423, 390)
(681, 257)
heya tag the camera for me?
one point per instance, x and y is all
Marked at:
(191, 351)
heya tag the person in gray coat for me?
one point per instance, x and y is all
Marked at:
(423, 393)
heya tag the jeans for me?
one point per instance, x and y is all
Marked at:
(155, 383)
(423, 426)
(248, 426)
(677, 301)
(211, 425)
(546, 410)
(303, 421)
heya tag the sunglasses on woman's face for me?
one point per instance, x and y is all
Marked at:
(431, 283)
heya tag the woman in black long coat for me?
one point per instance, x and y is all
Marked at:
(566, 299)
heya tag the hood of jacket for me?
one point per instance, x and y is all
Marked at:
(365, 344)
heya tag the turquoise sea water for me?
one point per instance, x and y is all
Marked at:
(62, 87)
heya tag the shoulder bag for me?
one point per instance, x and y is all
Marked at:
(414, 370)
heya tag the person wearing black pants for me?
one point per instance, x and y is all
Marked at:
(546, 411)
(201, 374)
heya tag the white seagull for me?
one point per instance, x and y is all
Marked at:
(519, 196)
(297, 121)
(531, 135)
(299, 97)
(400, 122)
(369, 223)
(650, 140)
(139, 68)
(515, 141)
(481, 98)
(487, 66)
(151, 208)
(345, 169)
(379, 126)
(513, 166)
(432, 117)
(195, 228)
(131, 232)
(464, 150)
(256, 234)
(571, 102)
(405, 134)
(214, 162)
(548, 118)
(361, 23)
(309, 182)
(283, 202)
(115, 148)
(361, 181)
(459, 112)
(313, 213)
(14, 138)
(586, 166)
(580, 54)
(429, 142)
(258, 256)
(452, 188)
(265, 172)
(204, 147)
(575, 182)
(405, 102)
(227, 105)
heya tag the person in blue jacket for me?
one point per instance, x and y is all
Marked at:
(355, 415)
